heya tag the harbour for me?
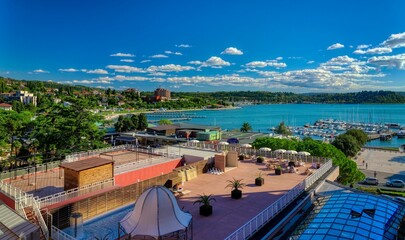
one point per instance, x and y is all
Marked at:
(374, 119)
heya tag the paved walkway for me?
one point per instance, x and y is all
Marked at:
(386, 165)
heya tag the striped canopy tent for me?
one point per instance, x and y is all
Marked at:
(156, 214)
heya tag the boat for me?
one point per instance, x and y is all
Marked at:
(385, 137)
(401, 134)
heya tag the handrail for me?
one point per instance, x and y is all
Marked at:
(76, 156)
(30, 169)
(120, 169)
(58, 234)
(21, 211)
(75, 192)
(40, 218)
(257, 222)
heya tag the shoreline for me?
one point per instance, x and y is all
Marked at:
(116, 115)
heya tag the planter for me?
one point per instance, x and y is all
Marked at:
(278, 171)
(241, 157)
(259, 181)
(236, 194)
(259, 160)
(205, 210)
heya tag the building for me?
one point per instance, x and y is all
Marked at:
(6, 106)
(162, 94)
(133, 91)
(25, 97)
(186, 130)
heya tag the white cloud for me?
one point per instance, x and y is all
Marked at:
(232, 51)
(310, 62)
(40, 71)
(173, 53)
(157, 74)
(268, 63)
(362, 46)
(215, 62)
(130, 78)
(125, 68)
(97, 71)
(257, 64)
(279, 58)
(395, 61)
(126, 60)
(68, 70)
(395, 41)
(377, 50)
(169, 68)
(183, 46)
(335, 46)
(195, 62)
(159, 56)
(145, 61)
(122, 55)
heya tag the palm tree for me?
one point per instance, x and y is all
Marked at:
(205, 204)
(235, 185)
(246, 127)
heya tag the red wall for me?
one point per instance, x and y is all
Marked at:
(8, 201)
(146, 173)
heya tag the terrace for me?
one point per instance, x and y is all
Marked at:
(130, 168)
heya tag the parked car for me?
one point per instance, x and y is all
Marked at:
(396, 183)
(370, 181)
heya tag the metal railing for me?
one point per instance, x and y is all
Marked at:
(317, 174)
(75, 192)
(257, 222)
(13, 192)
(58, 234)
(120, 169)
(13, 173)
(76, 156)
(251, 151)
(40, 219)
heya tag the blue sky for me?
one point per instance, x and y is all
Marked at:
(297, 46)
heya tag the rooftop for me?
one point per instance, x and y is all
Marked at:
(230, 214)
(83, 165)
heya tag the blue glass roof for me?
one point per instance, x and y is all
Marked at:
(351, 216)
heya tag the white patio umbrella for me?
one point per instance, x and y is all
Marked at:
(223, 143)
(291, 152)
(194, 141)
(280, 151)
(304, 153)
(265, 149)
(246, 145)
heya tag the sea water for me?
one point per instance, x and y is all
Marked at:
(263, 117)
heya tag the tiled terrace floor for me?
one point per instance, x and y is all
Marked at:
(230, 214)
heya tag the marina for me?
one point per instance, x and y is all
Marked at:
(314, 120)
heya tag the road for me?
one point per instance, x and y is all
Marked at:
(383, 177)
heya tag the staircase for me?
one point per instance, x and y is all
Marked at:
(29, 212)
